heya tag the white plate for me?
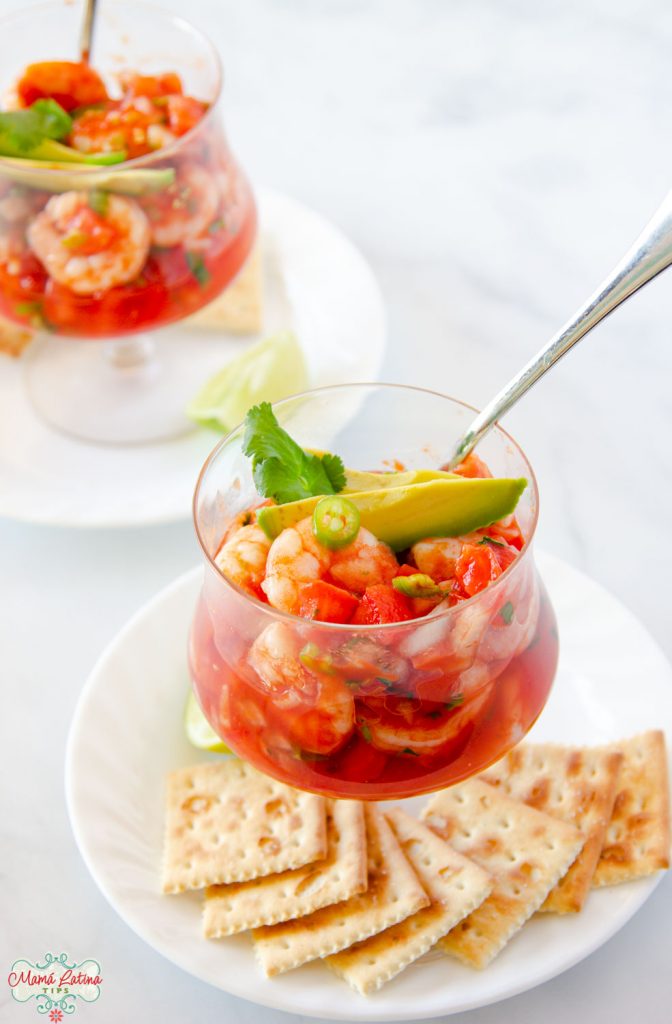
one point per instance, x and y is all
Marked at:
(316, 282)
(127, 735)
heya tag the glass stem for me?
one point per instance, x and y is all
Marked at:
(130, 354)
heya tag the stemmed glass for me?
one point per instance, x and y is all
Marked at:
(100, 370)
(379, 711)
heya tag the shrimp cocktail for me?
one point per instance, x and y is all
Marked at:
(122, 208)
(370, 624)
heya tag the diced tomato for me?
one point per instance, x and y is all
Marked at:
(476, 567)
(22, 279)
(472, 467)
(326, 603)
(508, 531)
(87, 233)
(69, 83)
(183, 113)
(361, 762)
(152, 86)
(407, 570)
(382, 603)
(130, 306)
(504, 555)
(323, 723)
(117, 127)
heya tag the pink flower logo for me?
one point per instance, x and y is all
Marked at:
(55, 1016)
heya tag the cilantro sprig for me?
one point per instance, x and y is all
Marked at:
(35, 134)
(23, 130)
(282, 470)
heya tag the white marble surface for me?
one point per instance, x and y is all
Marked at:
(492, 160)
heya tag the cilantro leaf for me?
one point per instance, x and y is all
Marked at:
(491, 540)
(506, 612)
(21, 131)
(197, 266)
(282, 470)
(335, 470)
(54, 121)
(265, 438)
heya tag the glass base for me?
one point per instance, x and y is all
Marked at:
(124, 391)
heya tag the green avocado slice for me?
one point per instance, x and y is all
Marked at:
(402, 515)
(360, 480)
(56, 152)
(58, 177)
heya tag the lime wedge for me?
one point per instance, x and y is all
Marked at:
(272, 369)
(198, 729)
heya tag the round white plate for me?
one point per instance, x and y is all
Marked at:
(127, 735)
(316, 282)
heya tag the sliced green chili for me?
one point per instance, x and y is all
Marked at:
(99, 202)
(335, 522)
(417, 585)
(75, 240)
(316, 660)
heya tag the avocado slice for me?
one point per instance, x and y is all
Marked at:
(360, 480)
(66, 177)
(404, 514)
(56, 152)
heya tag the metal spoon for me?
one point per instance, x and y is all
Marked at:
(86, 35)
(651, 253)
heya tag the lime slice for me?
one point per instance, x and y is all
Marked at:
(198, 729)
(272, 369)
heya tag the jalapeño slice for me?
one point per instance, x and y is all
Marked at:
(335, 522)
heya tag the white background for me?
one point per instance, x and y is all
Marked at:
(492, 160)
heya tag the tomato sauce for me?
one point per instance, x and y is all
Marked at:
(423, 717)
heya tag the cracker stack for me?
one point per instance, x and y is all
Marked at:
(13, 337)
(577, 786)
(369, 889)
(455, 887)
(393, 894)
(280, 897)
(238, 310)
(227, 822)
(637, 841)
(527, 853)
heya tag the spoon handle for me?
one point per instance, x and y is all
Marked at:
(86, 35)
(651, 253)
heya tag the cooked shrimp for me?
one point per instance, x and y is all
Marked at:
(17, 204)
(184, 210)
(416, 731)
(318, 711)
(362, 659)
(242, 557)
(296, 558)
(437, 556)
(88, 252)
